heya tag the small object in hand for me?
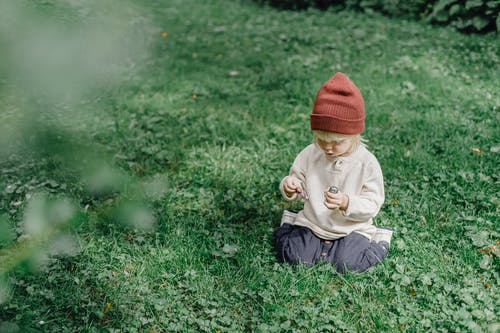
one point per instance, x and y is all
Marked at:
(304, 195)
(333, 189)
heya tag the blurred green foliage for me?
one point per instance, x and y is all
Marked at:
(469, 16)
(60, 59)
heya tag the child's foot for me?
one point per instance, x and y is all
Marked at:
(382, 235)
(288, 217)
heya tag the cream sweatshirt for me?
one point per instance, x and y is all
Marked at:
(358, 175)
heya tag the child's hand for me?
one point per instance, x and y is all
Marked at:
(291, 185)
(336, 200)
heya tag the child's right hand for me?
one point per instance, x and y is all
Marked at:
(291, 185)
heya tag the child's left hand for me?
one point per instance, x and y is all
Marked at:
(338, 200)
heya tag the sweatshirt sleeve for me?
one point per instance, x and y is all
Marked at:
(366, 204)
(298, 172)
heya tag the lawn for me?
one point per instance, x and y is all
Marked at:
(141, 156)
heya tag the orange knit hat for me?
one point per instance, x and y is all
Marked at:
(339, 107)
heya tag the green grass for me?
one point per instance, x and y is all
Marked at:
(217, 111)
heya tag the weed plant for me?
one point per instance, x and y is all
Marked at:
(218, 105)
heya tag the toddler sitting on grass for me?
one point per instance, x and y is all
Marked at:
(342, 187)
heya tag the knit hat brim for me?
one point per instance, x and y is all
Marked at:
(332, 124)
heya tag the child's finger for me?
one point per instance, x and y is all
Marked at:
(291, 183)
(333, 199)
(328, 195)
(336, 196)
(331, 205)
(334, 203)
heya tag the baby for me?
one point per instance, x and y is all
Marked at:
(341, 184)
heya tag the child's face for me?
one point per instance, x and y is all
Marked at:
(335, 148)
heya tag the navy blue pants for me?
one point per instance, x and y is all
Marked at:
(354, 252)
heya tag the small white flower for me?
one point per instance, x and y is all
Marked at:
(495, 149)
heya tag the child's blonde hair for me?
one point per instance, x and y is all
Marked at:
(356, 139)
